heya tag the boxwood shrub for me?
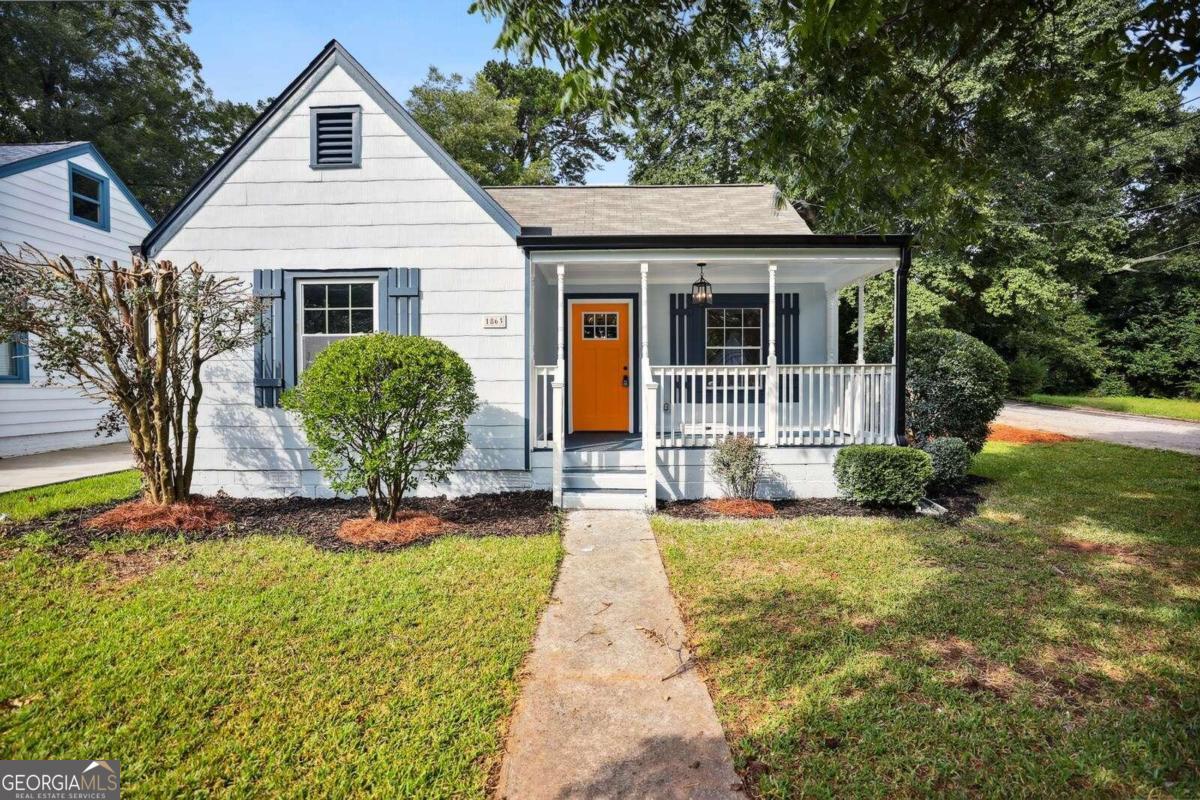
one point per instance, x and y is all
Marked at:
(956, 386)
(882, 475)
(951, 461)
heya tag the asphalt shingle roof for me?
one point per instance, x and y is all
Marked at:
(651, 210)
(12, 153)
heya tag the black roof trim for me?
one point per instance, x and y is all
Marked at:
(711, 241)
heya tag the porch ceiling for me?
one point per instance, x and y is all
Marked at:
(834, 267)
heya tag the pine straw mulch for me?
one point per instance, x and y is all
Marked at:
(960, 505)
(317, 520)
(1010, 434)
(137, 516)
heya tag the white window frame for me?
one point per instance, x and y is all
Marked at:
(299, 310)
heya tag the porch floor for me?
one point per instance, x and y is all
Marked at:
(603, 440)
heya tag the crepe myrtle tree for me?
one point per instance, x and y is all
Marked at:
(136, 336)
(382, 411)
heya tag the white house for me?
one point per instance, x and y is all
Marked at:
(600, 375)
(64, 199)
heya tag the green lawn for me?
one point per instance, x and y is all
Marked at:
(1049, 647)
(265, 667)
(25, 504)
(1151, 406)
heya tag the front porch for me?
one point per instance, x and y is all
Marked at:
(760, 360)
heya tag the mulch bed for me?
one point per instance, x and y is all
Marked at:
(961, 505)
(318, 520)
(998, 432)
(137, 516)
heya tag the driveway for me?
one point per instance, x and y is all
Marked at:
(1107, 426)
(23, 472)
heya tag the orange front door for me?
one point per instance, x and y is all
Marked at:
(600, 377)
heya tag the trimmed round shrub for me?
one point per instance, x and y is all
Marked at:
(956, 386)
(882, 475)
(951, 461)
(1027, 375)
(738, 465)
(382, 411)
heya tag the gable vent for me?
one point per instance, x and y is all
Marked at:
(336, 137)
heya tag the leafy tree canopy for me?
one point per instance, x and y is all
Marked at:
(504, 126)
(118, 74)
(1038, 150)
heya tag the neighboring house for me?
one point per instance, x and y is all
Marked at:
(598, 375)
(64, 199)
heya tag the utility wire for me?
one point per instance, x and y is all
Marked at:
(1157, 256)
(1077, 220)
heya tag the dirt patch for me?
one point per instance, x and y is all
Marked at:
(972, 671)
(998, 432)
(1080, 547)
(406, 528)
(137, 516)
(134, 565)
(740, 507)
(317, 520)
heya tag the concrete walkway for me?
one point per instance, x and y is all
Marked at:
(1107, 426)
(23, 472)
(611, 707)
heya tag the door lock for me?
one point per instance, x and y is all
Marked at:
(625, 381)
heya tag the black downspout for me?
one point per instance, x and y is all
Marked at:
(900, 326)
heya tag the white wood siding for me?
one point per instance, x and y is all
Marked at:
(34, 208)
(399, 209)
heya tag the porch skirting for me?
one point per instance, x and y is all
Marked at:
(685, 473)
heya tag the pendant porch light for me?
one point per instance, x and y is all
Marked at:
(702, 291)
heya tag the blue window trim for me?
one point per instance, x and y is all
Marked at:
(74, 169)
(20, 347)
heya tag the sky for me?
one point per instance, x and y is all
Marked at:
(252, 49)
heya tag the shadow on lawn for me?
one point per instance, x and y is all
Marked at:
(994, 657)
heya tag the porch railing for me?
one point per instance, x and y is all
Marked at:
(815, 404)
(836, 404)
(697, 406)
(543, 407)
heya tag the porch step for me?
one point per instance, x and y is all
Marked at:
(620, 478)
(604, 498)
(603, 459)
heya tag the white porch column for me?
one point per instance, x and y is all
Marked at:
(862, 320)
(559, 390)
(772, 387)
(831, 324)
(649, 397)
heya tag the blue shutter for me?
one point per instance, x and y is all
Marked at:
(679, 332)
(268, 350)
(787, 328)
(403, 310)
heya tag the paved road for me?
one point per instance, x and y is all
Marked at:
(23, 472)
(611, 706)
(1107, 426)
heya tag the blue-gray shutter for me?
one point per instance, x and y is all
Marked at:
(268, 350)
(404, 301)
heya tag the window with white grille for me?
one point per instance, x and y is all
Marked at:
(332, 310)
(336, 136)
